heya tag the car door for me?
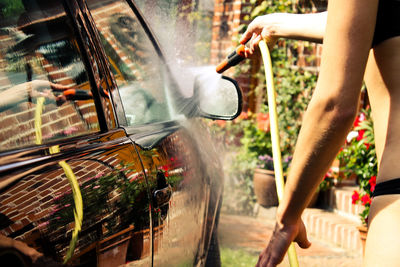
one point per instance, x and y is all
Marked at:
(72, 186)
(182, 178)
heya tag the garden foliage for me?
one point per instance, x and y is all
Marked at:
(250, 132)
(358, 158)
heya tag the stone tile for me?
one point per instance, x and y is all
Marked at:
(252, 234)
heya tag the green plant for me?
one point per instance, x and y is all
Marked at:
(327, 182)
(9, 8)
(99, 197)
(294, 89)
(250, 134)
(294, 85)
(359, 158)
(252, 138)
(237, 257)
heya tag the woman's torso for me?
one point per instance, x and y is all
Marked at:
(383, 84)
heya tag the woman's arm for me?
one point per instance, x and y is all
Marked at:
(307, 27)
(330, 114)
(29, 90)
(347, 41)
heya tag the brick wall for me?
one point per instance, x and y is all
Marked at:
(228, 16)
(18, 123)
(31, 200)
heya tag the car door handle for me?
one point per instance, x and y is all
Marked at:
(162, 196)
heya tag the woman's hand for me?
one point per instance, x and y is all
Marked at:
(8, 243)
(271, 27)
(38, 88)
(280, 241)
(260, 28)
(27, 251)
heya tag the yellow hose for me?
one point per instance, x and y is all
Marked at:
(76, 194)
(276, 151)
(73, 182)
(38, 119)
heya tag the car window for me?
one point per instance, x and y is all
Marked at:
(135, 64)
(44, 90)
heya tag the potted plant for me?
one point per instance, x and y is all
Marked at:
(251, 132)
(264, 180)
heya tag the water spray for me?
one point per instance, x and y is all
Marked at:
(235, 58)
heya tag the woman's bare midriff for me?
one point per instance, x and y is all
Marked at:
(382, 78)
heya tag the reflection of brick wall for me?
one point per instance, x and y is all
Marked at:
(102, 15)
(18, 125)
(228, 16)
(31, 199)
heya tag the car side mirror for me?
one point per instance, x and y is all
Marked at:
(218, 97)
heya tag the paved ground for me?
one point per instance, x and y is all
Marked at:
(252, 234)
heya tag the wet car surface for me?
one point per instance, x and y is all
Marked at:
(103, 161)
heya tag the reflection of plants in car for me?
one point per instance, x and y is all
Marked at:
(9, 8)
(60, 53)
(133, 197)
(126, 30)
(129, 36)
(102, 195)
(94, 192)
(170, 169)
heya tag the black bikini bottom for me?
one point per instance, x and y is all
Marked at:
(387, 188)
(387, 21)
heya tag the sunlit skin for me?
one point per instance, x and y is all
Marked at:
(29, 90)
(9, 243)
(346, 30)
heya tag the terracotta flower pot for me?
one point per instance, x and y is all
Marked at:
(112, 250)
(363, 230)
(265, 188)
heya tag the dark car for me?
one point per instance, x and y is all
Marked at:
(104, 160)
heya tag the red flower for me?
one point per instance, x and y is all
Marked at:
(328, 174)
(359, 119)
(164, 167)
(372, 183)
(367, 145)
(263, 122)
(360, 135)
(365, 199)
(355, 197)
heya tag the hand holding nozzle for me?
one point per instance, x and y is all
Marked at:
(233, 59)
(243, 52)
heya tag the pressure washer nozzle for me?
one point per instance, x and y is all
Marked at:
(232, 60)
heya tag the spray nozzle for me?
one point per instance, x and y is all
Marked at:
(233, 59)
